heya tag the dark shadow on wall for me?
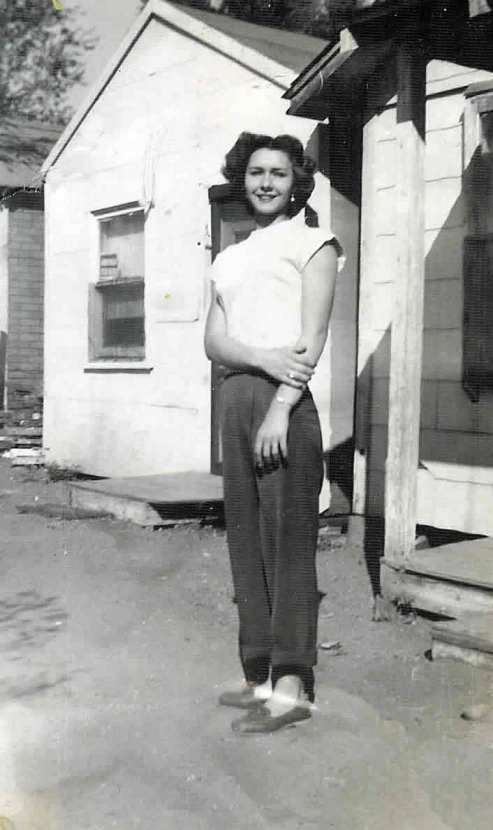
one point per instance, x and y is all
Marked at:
(339, 462)
(339, 155)
(454, 428)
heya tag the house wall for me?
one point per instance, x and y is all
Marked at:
(158, 132)
(456, 447)
(25, 298)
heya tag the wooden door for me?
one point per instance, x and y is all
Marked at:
(230, 224)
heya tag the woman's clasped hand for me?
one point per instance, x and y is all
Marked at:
(287, 365)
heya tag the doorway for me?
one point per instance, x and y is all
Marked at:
(230, 223)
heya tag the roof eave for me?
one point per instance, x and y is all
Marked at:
(340, 75)
(338, 82)
(313, 69)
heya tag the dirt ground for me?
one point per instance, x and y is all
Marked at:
(115, 642)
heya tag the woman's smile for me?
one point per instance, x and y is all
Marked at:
(267, 197)
(269, 183)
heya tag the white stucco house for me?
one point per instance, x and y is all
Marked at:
(135, 208)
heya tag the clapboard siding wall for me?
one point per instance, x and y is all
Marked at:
(455, 433)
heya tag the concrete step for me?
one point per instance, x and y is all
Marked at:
(154, 501)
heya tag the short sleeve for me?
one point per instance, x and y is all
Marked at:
(216, 271)
(315, 238)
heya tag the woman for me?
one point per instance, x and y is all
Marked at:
(272, 297)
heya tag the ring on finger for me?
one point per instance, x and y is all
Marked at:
(291, 375)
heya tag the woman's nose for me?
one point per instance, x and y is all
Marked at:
(266, 182)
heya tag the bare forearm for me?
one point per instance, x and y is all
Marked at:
(317, 300)
(283, 365)
(229, 352)
(312, 346)
(318, 277)
(314, 343)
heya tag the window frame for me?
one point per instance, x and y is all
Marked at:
(478, 100)
(99, 287)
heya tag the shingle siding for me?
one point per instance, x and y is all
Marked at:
(26, 299)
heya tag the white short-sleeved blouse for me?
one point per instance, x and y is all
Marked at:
(259, 282)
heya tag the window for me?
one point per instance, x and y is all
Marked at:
(117, 317)
(478, 244)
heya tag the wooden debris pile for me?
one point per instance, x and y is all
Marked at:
(21, 432)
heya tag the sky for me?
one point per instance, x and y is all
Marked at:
(111, 20)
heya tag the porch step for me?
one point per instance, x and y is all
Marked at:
(469, 562)
(156, 500)
(451, 580)
(469, 640)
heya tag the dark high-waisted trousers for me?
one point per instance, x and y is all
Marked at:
(272, 527)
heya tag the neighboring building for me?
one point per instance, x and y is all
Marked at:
(134, 206)
(357, 87)
(23, 147)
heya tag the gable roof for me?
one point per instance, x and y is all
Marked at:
(273, 54)
(291, 49)
(23, 147)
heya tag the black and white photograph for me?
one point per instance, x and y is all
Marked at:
(246, 414)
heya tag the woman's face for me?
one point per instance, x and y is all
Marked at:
(269, 181)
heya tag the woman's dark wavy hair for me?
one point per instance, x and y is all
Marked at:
(236, 163)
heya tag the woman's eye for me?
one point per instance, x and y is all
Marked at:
(268, 172)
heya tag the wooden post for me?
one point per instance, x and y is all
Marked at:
(366, 340)
(407, 318)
